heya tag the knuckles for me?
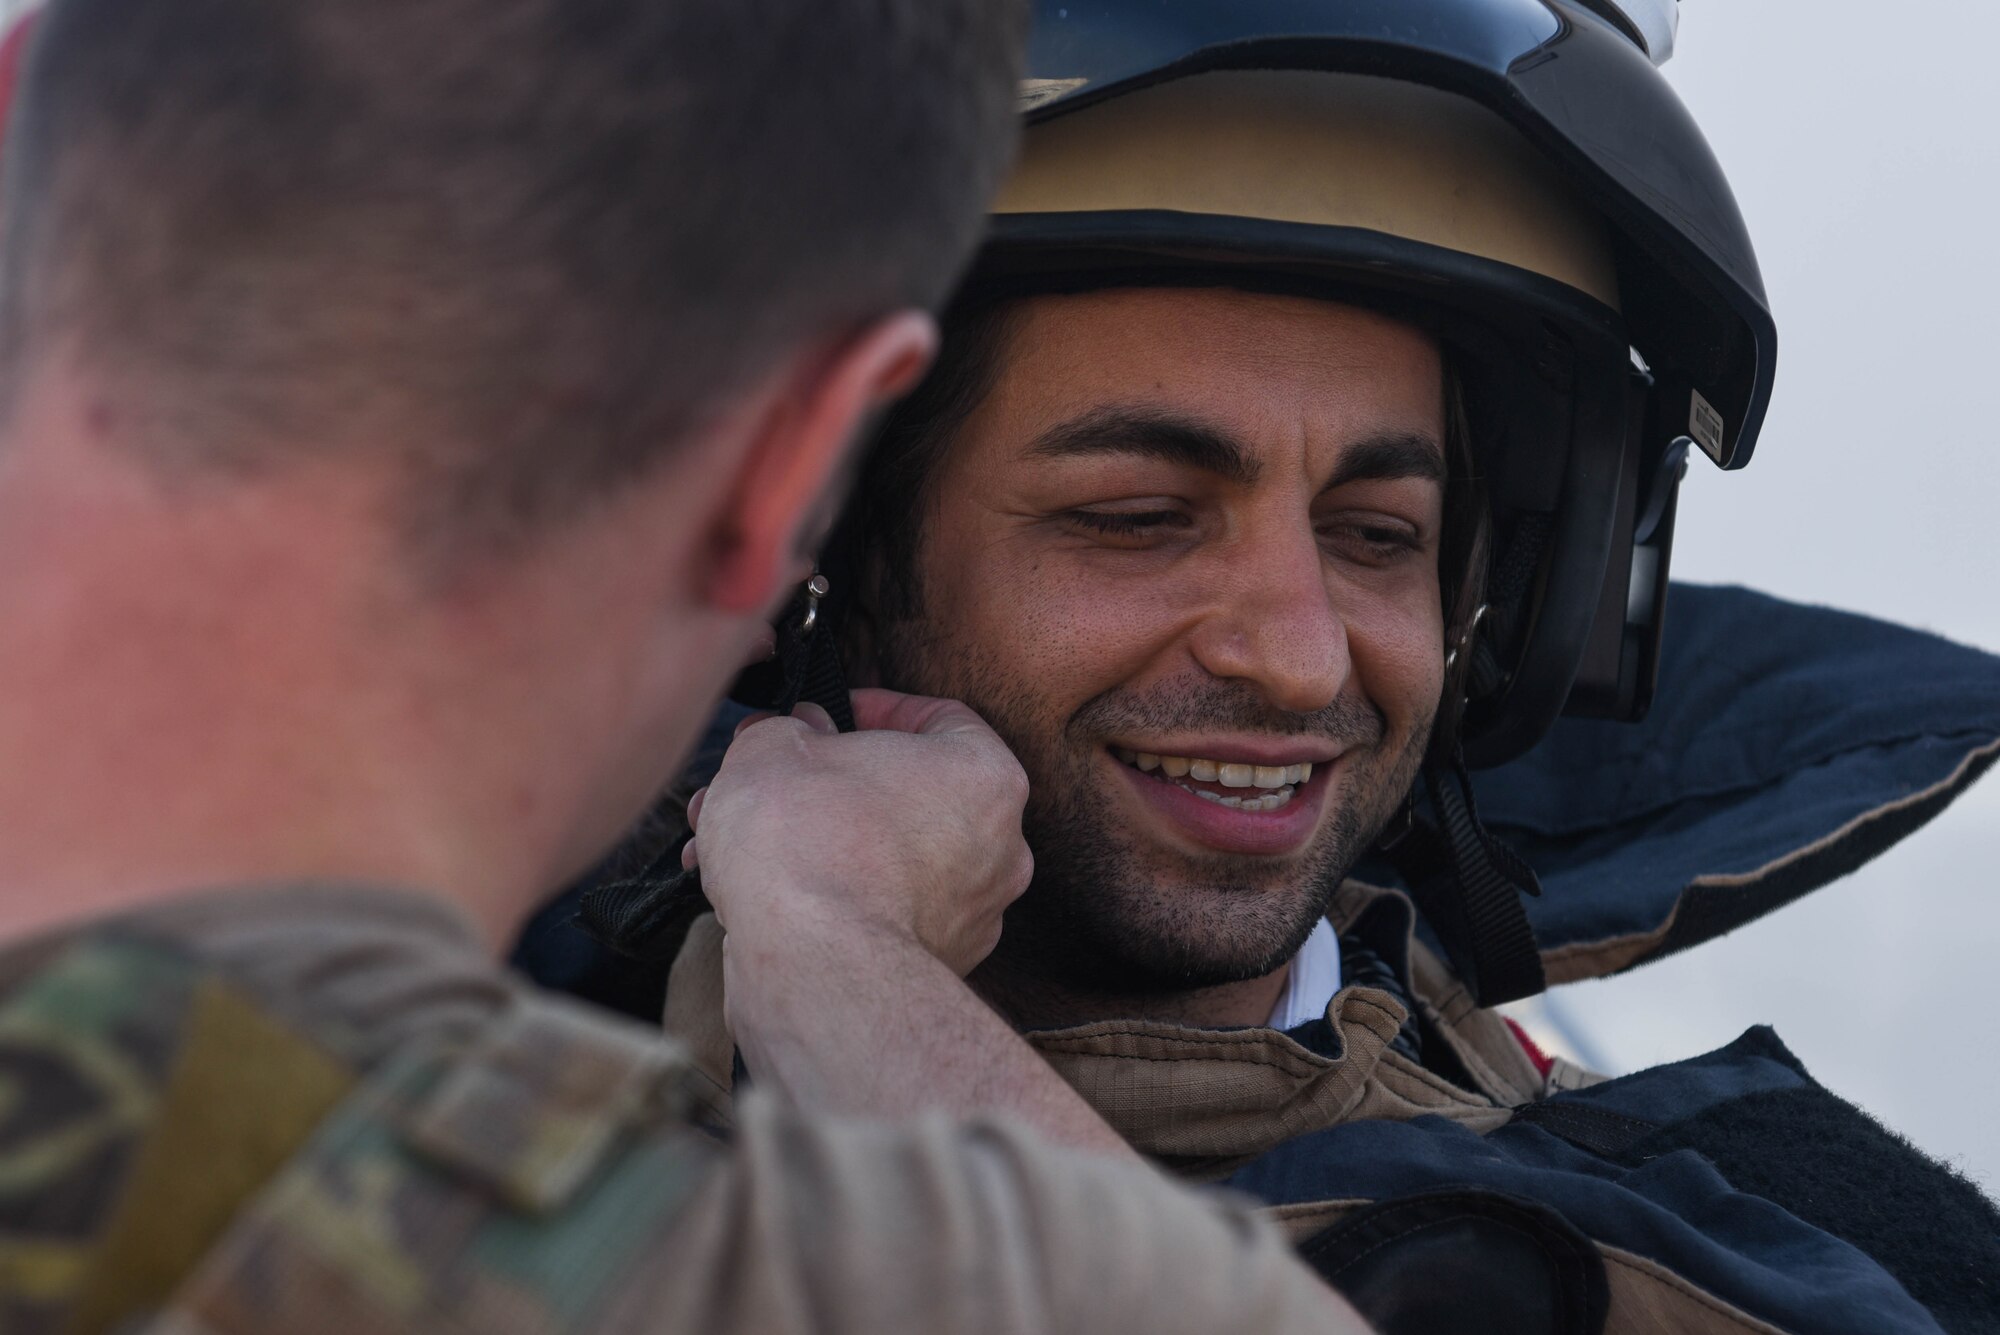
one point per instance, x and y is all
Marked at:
(1008, 780)
(1023, 873)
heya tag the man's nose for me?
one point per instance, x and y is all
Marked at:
(1274, 625)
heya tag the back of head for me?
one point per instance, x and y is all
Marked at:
(525, 246)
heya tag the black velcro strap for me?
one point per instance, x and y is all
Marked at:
(1588, 1127)
(1464, 1261)
(805, 666)
(1469, 886)
(647, 916)
(818, 679)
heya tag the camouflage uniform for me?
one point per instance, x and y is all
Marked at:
(326, 1110)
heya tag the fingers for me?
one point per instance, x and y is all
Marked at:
(810, 714)
(805, 711)
(1022, 872)
(880, 710)
(896, 712)
(689, 859)
(931, 717)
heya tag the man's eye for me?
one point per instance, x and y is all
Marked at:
(1128, 523)
(1372, 544)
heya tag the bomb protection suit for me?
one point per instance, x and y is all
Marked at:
(1517, 175)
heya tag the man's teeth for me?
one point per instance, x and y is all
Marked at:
(1267, 802)
(1218, 771)
(1277, 781)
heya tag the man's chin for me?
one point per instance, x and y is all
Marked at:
(1173, 939)
(1121, 906)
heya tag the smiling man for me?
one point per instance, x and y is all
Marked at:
(1307, 433)
(1184, 556)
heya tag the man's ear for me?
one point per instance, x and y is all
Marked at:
(13, 51)
(784, 495)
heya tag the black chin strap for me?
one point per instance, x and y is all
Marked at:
(811, 664)
(647, 916)
(1469, 886)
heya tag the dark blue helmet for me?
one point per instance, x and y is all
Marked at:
(1518, 175)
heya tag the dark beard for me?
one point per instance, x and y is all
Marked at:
(1096, 919)
(1086, 924)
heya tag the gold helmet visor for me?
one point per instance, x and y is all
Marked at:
(1325, 149)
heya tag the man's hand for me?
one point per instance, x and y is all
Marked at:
(859, 878)
(910, 826)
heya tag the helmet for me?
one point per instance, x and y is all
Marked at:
(1517, 176)
(1516, 172)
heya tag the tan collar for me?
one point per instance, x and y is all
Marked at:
(1204, 1100)
(1201, 1101)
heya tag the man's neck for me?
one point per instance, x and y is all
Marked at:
(1031, 1001)
(192, 696)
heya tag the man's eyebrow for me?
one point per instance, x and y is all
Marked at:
(1386, 458)
(1172, 437)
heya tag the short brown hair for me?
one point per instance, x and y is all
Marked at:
(531, 242)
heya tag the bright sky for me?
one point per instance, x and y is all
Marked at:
(1868, 169)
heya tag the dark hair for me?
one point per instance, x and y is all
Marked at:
(879, 539)
(875, 549)
(534, 242)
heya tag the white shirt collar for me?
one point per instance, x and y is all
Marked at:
(1314, 978)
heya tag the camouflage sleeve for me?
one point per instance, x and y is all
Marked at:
(812, 1225)
(543, 1180)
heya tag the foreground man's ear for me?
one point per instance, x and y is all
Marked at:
(794, 473)
(13, 53)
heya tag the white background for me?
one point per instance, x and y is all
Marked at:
(1863, 142)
